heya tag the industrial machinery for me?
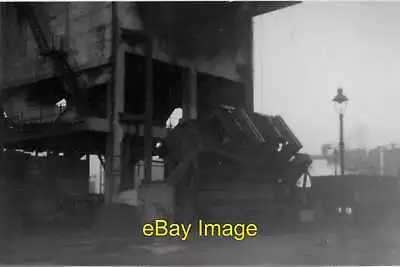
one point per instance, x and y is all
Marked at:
(232, 163)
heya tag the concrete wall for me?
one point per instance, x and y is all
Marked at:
(72, 176)
(244, 196)
(86, 30)
(354, 190)
(36, 184)
(84, 26)
(186, 35)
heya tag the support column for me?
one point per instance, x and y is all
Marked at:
(4, 188)
(1, 42)
(132, 38)
(341, 146)
(116, 100)
(244, 64)
(250, 81)
(148, 131)
(3, 181)
(118, 132)
(2, 22)
(190, 94)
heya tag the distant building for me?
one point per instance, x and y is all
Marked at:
(356, 162)
(385, 161)
(324, 167)
(355, 159)
(375, 158)
(380, 161)
(391, 162)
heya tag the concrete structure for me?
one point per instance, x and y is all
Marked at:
(124, 66)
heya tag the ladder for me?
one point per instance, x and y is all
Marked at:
(62, 68)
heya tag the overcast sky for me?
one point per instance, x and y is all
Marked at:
(305, 52)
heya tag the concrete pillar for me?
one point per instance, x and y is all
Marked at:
(250, 81)
(1, 45)
(131, 151)
(2, 124)
(244, 64)
(4, 213)
(3, 181)
(116, 100)
(117, 129)
(148, 130)
(190, 94)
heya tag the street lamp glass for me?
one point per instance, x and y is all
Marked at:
(340, 101)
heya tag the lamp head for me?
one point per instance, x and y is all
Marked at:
(340, 101)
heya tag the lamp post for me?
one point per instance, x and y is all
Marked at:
(340, 101)
(335, 159)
